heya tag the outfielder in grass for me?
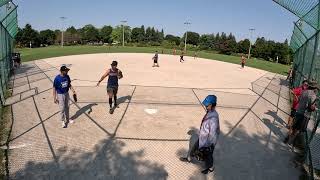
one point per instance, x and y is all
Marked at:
(155, 60)
(112, 84)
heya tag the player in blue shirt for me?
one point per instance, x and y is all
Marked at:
(61, 86)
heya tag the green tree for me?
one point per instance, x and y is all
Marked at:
(117, 32)
(207, 41)
(193, 38)
(137, 35)
(260, 47)
(72, 36)
(148, 36)
(47, 37)
(142, 37)
(18, 37)
(217, 42)
(28, 35)
(105, 34)
(161, 34)
(173, 39)
(72, 30)
(243, 46)
(90, 34)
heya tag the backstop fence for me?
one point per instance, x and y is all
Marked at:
(8, 30)
(306, 65)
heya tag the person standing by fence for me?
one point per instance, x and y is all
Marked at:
(306, 105)
(296, 92)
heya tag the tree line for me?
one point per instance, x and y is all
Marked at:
(140, 36)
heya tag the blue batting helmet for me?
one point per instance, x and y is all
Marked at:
(210, 99)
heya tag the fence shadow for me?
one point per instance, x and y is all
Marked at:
(242, 155)
(105, 162)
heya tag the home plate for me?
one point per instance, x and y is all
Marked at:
(151, 111)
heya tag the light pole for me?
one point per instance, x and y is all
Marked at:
(251, 31)
(62, 19)
(185, 39)
(123, 32)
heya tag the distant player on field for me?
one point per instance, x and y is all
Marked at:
(243, 61)
(181, 56)
(155, 60)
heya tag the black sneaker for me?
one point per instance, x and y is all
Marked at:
(184, 159)
(206, 171)
(111, 111)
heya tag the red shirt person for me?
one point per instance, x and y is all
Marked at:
(296, 94)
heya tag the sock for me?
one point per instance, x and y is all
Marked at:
(115, 99)
(110, 102)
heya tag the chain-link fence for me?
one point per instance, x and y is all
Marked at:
(305, 44)
(8, 30)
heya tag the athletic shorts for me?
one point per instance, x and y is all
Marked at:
(113, 90)
(300, 122)
(155, 61)
(293, 113)
(242, 64)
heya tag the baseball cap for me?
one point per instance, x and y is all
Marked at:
(114, 63)
(210, 99)
(64, 68)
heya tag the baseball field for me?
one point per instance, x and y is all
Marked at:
(146, 135)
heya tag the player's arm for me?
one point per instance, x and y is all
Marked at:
(71, 87)
(55, 100)
(294, 93)
(103, 77)
(120, 75)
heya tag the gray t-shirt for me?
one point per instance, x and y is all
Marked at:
(307, 98)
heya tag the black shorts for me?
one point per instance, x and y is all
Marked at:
(293, 113)
(155, 61)
(242, 64)
(113, 90)
(300, 122)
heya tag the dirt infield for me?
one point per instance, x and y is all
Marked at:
(145, 136)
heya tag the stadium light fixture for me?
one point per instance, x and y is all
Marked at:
(251, 31)
(185, 39)
(62, 19)
(123, 22)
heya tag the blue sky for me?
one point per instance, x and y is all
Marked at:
(207, 16)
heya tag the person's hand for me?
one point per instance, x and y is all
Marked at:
(120, 75)
(56, 101)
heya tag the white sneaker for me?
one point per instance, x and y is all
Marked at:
(71, 121)
(63, 124)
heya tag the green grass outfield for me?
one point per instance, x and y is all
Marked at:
(28, 54)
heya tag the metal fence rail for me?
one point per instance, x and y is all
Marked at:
(8, 30)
